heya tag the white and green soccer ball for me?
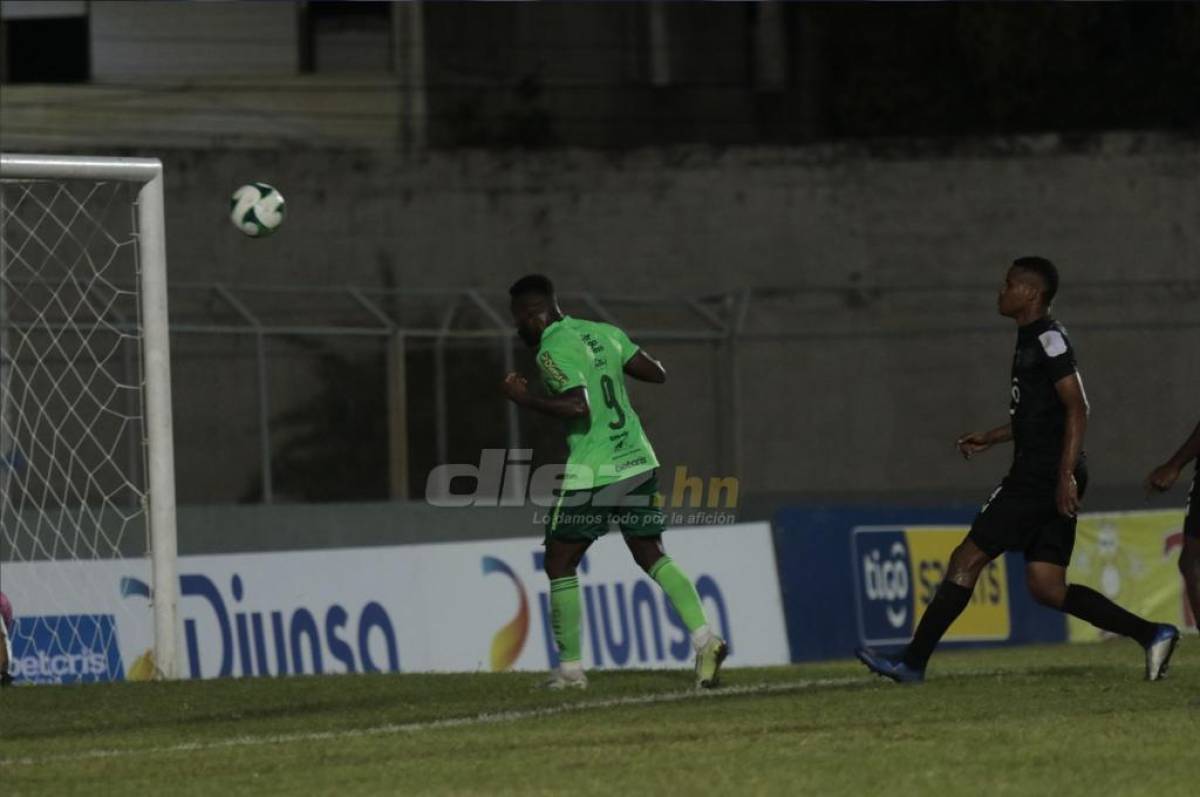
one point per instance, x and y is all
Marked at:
(257, 209)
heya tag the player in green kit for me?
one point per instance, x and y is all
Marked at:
(611, 472)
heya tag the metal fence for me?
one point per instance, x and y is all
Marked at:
(287, 393)
(422, 343)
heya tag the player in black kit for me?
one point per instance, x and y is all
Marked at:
(1162, 479)
(1033, 510)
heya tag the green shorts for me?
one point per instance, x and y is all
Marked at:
(631, 504)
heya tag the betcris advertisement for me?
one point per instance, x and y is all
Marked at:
(66, 649)
(72, 625)
(440, 607)
(853, 576)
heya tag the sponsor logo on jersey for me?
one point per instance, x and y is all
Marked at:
(1053, 343)
(555, 376)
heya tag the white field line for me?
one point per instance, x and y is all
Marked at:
(433, 725)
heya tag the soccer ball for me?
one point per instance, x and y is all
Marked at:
(256, 209)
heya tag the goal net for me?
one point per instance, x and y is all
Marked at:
(87, 505)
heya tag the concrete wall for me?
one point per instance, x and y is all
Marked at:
(900, 351)
(877, 266)
(697, 220)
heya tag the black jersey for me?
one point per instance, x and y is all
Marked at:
(1039, 418)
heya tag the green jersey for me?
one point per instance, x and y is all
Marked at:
(609, 445)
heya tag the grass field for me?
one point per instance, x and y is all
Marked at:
(1059, 720)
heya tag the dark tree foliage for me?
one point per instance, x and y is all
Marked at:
(553, 74)
(333, 444)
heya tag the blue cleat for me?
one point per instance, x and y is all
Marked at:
(892, 667)
(1158, 652)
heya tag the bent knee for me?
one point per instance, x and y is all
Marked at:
(558, 567)
(1048, 594)
(965, 565)
(646, 551)
(646, 560)
(556, 570)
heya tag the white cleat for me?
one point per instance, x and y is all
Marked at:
(1158, 652)
(709, 659)
(570, 678)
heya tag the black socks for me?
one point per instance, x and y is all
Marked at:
(1087, 604)
(947, 604)
(1082, 602)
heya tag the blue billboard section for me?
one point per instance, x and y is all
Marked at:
(880, 566)
(855, 575)
(66, 649)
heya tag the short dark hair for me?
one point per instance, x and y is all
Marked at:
(532, 284)
(1044, 269)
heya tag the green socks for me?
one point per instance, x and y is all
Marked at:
(681, 592)
(566, 617)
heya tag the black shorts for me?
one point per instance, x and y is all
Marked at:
(1022, 515)
(1191, 519)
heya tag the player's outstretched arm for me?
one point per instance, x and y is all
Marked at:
(568, 405)
(1070, 393)
(1164, 476)
(645, 368)
(977, 442)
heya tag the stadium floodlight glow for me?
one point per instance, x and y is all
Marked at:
(85, 380)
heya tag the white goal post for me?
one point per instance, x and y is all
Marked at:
(81, 235)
